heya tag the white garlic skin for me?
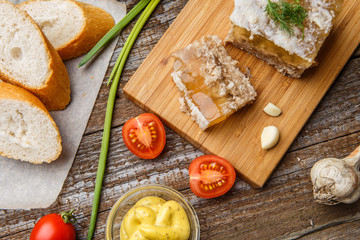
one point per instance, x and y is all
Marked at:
(336, 180)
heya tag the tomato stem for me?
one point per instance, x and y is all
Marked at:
(67, 217)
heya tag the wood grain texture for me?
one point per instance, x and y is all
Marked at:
(238, 138)
(282, 209)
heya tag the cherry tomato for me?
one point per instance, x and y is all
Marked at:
(144, 136)
(54, 227)
(211, 176)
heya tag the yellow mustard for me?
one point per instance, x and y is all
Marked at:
(155, 218)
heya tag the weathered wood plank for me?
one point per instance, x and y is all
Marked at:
(80, 183)
(349, 230)
(356, 53)
(243, 213)
(282, 209)
(173, 164)
(338, 112)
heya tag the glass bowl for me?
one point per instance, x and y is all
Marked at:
(128, 200)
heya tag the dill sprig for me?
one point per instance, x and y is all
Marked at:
(287, 15)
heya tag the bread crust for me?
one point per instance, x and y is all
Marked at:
(97, 23)
(55, 93)
(12, 92)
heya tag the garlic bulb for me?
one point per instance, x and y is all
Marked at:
(337, 180)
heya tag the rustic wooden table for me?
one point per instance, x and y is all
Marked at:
(282, 209)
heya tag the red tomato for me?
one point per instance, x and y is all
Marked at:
(144, 136)
(53, 227)
(211, 176)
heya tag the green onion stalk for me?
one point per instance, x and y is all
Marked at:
(115, 75)
(114, 31)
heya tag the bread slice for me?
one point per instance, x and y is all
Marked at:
(27, 59)
(72, 27)
(211, 85)
(27, 131)
(255, 32)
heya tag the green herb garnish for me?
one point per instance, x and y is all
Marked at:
(287, 15)
(115, 30)
(110, 108)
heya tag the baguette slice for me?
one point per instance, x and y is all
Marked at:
(27, 131)
(72, 27)
(27, 58)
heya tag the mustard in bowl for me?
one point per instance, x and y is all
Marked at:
(152, 212)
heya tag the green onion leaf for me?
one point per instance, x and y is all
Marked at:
(110, 108)
(119, 65)
(115, 30)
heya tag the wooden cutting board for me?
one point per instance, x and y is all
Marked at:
(238, 138)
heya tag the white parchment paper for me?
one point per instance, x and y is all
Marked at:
(24, 185)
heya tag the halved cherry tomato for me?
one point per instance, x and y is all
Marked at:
(144, 136)
(54, 227)
(211, 176)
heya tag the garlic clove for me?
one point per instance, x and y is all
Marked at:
(269, 137)
(272, 110)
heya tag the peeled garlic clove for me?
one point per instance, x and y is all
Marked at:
(272, 110)
(269, 137)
